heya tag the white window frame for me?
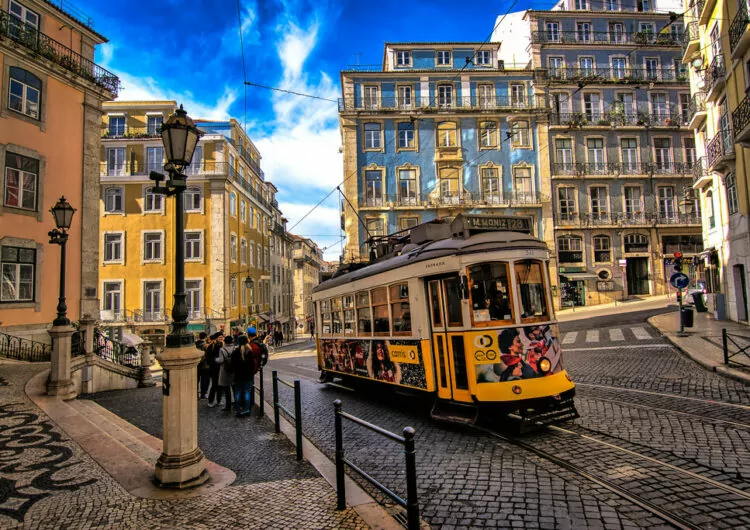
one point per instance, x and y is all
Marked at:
(483, 58)
(107, 307)
(152, 244)
(160, 310)
(403, 58)
(188, 205)
(372, 141)
(243, 211)
(28, 108)
(243, 250)
(21, 178)
(115, 192)
(193, 313)
(192, 243)
(18, 265)
(233, 247)
(444, 58)
(121, 259)
(233, 204)
(150, 196)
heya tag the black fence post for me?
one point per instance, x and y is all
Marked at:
(275, 377)
(726, 345)
(412, 503)
(340, 482)
(262, 397)
(298, 416)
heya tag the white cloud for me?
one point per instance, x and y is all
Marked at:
(322, 224)
(230, 42)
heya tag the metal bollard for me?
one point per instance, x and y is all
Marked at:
(412, 504)
(726, 345)
(298, 416)
(275, 377)
(261, 398)
(340, 482)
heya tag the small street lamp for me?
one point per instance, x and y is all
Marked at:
(180, 137)
(63, 214)
(249, 283)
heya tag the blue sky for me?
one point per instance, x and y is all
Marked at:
(189, 51)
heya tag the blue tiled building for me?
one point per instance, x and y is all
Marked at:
(441, 128)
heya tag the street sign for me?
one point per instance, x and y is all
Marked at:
(679, 280)
(623, 263)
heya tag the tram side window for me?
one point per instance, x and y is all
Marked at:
(490, 292)
(364, 316)
(400, 309)
(381, 322)
(325, 316)
(336, 314)
(530, 280)
(349, 314)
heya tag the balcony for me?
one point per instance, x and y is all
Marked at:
(463, 103)
(697, 110)
(720, 150)
(633, 218)
(739, 36)
(741, 122)
(714, 78)
(704, 8)
(691, 41)
(612, 75)
(677, 218)
(114, 133)
(618, 118)
(701, 175)
(430, 200)
(40, 45)
(618, 169)
(604, 38)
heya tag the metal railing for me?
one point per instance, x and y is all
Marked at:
(615, 75)
(720, 146)
(700, 169)
(619, 168)
(715, 72)
(738, 26)
(697, 104)
(691, 33)
(23, 349)
(475, 102)
(741, 115)
(424, 199)
(741, 346)
(40, 44)
(411, 503)
(114, 351)
(586, 219)
(296, 415)
(260, 388)
(130, 132)
(618, 117)
(605, 37)
(78, 343)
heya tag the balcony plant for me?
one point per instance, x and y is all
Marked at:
(603, 121)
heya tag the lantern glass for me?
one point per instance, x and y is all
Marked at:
(248, 282)
(63, 213)
(180, 137)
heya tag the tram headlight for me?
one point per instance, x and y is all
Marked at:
(544, 365)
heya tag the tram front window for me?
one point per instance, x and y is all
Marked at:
(530, 280)
(490, 294)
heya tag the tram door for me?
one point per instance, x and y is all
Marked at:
(446, 320)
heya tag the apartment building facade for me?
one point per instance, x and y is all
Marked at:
(621, 151)
(228, 211)
(716, 53)
(307, 260)
(441, 128)
(282, 276)
(52, 95)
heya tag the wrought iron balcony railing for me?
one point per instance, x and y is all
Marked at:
(589, 219)
(741, 115)
(476, 102)
(23, 349)
(429, 199)
(738, 26)
(618, 117)
(622, 168)
(700, 169)
(43, 46)
(613, 75)
(130, 132)
(605, 38)
(697, 104)
(715, 72)
(720, 146)
(691, 33)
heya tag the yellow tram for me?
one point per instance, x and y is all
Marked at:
(462, 310)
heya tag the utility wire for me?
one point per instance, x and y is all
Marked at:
(244, 70)
(302, 94)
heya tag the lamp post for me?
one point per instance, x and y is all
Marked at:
(63, 214)
(249, 283)
(181, 464)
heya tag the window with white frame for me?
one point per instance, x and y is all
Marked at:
(617, 32)
(447, 134)
(443, 58)
(406, 223)
(193, 245)
(663, 154)
(643, 5)
(250, 259)
(371, 96)
(667, 210)
(710, 211)
(629, 156)
(113, 200)
(619, 67)
(583, 32)
(153, 125)
(154, 159)
(403, 58)
(522, 185)
(152, 301)
(652, 68)
(406, 135)
(243, 251)
(732, 200)
(598, 197)
(193, 296)
(586, 64)
(569, 249)
(581, 5)
(233, 204)
(112, 300)
(486, 95)
(564, 155)
(21, 181)
(22, 18)
(491, 190)
(449, 185)
(152, 246)
(113, 247)
(635, 243)
(404, 97)
(482, 58)
(690, 153)
(592, 106)
(566, 203)
(602, 249)
(243, 211)
(407, 186)
(233, 247)
(520, 133)
(372, 136)
(612, 5)
(488, 134)
(659, 107)
(445, 96)
(116, 165)
(561, 105)
(633, 204)
(259, 256)
(116, 126)
(373, 188)
(552, 30)
(555, 66)
(192, 202)
(18, 266)
(24, 92)
(517, 95)
(595, 155)
(152, 202)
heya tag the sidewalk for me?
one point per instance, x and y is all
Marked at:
(77, 465)
(703, 342)
(625, 306)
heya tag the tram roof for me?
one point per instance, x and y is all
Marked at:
(482, 242)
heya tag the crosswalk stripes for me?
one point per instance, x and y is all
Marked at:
(640, 333)
(595, 336)
(615, 334)
(570, 338)
(592, 335)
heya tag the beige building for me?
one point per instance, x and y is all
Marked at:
(307, 261)
(282, 281)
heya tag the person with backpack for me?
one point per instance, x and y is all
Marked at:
(213, 359)
(226, 375)
(245, 364)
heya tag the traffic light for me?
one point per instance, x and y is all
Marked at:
(678, 261)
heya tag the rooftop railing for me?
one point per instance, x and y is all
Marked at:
(43, 46)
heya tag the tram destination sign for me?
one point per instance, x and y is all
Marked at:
(512, 224)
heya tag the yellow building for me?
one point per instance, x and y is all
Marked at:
(717, 48)
(50, 108)
(307, 262)
(228, 207)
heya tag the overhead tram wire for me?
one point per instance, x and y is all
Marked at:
(244, 70)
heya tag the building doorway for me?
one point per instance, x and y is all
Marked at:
(572, 292)
(637, 273)
(740, 292)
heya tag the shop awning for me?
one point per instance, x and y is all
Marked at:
(264, 316)
(579, 276)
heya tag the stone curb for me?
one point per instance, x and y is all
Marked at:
(705, 363)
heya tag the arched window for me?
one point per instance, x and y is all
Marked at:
(570, 249)
(602, 249)
(113, 200)
(25, 92)
(636, 243)
(447, 134)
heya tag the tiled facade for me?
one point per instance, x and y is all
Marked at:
(51, 97)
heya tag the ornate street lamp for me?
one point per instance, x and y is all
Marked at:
(63, 215)
(180, 137)
(249, 283)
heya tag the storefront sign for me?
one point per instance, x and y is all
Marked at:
(605, 286)
(623, 263)
(514, 224)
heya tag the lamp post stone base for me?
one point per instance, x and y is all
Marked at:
(60, 383)
(181, 464)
